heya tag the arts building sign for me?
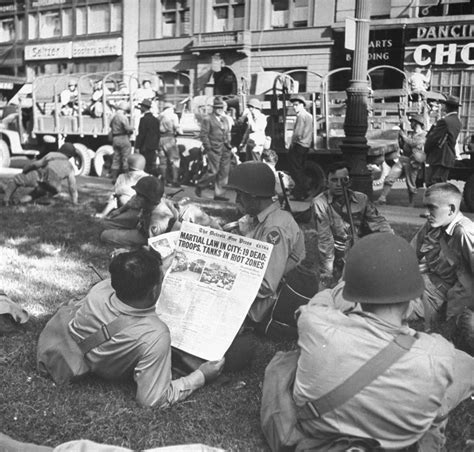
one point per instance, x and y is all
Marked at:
(77, 49)
(444, 45)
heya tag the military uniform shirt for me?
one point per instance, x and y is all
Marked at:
(142, 349)
(276, 226)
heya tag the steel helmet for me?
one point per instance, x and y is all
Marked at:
(151, 188)
(136, 162)
(382, 268)
(253, 178)
(254, 103)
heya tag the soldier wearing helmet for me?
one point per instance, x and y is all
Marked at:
(120, 131)
(254, 136)
(123, 190)
(266, 221)
(399, 399)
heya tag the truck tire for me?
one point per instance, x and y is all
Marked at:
(315, 177)
(82, 163)
(4, 155)
(102, 152)
(468, 193)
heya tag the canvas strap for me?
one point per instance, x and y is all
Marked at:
(105, 333)
(372, 369)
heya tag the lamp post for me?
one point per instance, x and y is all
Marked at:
(354, 146)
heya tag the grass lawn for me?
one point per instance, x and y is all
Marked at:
(45, 254)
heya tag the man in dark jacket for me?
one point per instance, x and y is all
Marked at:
(148, 138)
(441, 142)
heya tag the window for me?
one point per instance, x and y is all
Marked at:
(7, 30)
(174, 83)
(98, 19)
(67, 22)
(20, 27)
(289, 13)
(176, 18)
(229, 15)
(116, 17)
(32, 26)
(49, 24)
(444, 7)
(81, 21)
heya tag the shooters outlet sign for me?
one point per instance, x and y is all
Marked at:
(77, 49)
(443, 45)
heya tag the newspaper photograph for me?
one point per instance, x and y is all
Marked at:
(209, 287)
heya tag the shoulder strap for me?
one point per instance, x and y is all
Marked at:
(372, 369)
(105, 333)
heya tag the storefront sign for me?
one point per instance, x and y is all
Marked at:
(43, 3)
(97, 48)
(59, 50)
(77, 49)
(443, 44)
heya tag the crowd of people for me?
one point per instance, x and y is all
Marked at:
(361, 376)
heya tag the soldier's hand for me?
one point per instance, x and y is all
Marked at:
(212, 369)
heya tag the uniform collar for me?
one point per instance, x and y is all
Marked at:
(352, 196)
(267, 211)
(129, 310)
(451, 113)
(450, 228)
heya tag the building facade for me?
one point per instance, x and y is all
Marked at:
(216, 46)
(66, 36)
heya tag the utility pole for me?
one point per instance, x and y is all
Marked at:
(354, 146)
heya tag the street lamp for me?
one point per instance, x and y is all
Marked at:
(354, 146)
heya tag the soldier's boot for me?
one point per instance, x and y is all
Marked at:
(411, 199)
(383, 197)
(9, 189)
(175, 176)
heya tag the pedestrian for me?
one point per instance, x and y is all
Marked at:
(300, 143)
(410, 161)
(120, 131)
(445, 250)
(254, 136)
(45, 176)
(169, 152)
(333, 223)
(215, 137)
(148, 138)
(440, 145)
(365, 380)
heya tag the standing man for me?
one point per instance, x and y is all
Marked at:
(120, 130)
(169, 152)
(266, 221)
(332, 222)
(440, 145)
(215, 137)
(409, 163)
(300, 144)
(148, 138)
(445, 251)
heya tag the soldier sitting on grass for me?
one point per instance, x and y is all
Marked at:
(45, 176)
(142, 349)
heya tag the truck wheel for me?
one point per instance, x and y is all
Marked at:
(4, 155)
(99, 159)
(468, 193)
(315, 177)
(82, 162)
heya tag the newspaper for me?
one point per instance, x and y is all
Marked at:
(213, 279)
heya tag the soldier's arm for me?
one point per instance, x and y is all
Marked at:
(325, 237)
(374, 221)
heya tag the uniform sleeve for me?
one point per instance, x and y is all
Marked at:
(460, 295)
(205, 126)
(374, 221)
(277, 263)
(322, 224)
(307, 127)
(152, 375)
